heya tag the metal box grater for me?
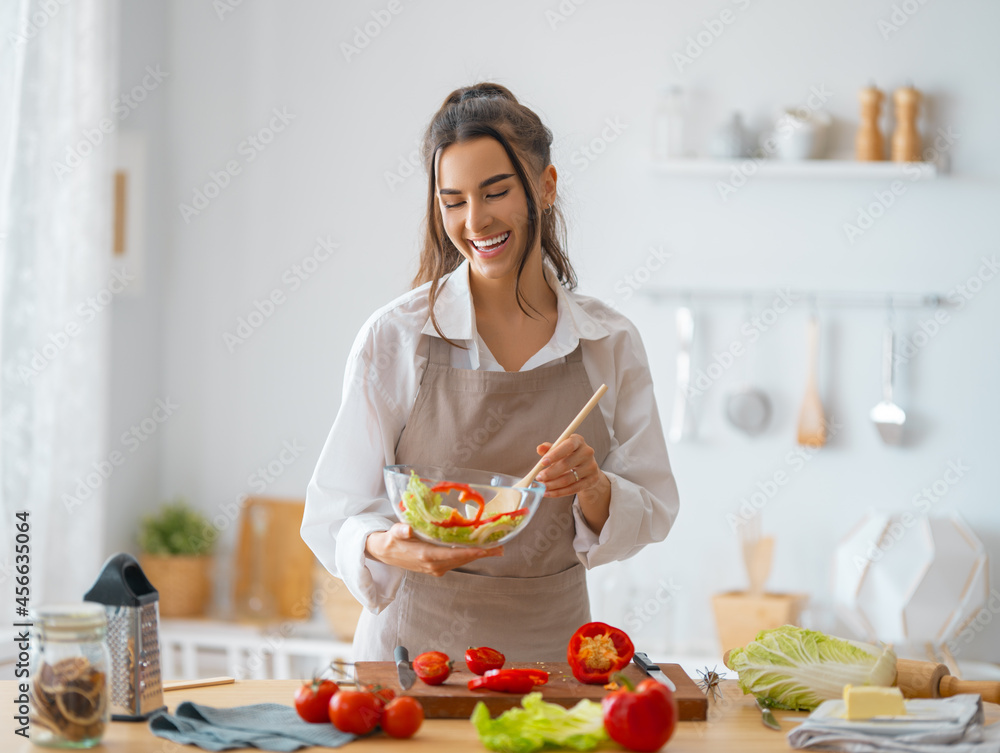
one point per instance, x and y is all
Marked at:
(133, 609)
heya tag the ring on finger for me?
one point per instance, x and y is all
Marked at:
(575, 474)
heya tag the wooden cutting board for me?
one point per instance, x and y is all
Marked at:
(454, 700)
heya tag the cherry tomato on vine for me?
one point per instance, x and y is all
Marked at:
(355, 711)
(402, 717)
(312, 700)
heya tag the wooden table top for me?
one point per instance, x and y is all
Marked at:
(733, 724)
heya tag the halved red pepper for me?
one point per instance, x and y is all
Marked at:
(510, 680)
(596, 651)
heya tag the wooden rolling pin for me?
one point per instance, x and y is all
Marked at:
(924, 679)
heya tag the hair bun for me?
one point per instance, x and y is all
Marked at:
(482, 90)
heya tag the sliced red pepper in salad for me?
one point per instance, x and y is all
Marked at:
(596, 651)
(510, 680)
(468, 494)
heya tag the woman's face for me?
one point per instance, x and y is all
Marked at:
(483, 206)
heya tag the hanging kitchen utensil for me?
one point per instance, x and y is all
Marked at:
(812, 422)
(748, 408)
(685, 338)
(886, 415)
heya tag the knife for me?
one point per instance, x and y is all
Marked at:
(403, 668)
(766, 716)
(653, 670)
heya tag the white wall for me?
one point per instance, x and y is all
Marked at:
(354, 121)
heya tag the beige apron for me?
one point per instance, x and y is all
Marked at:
(528, 602)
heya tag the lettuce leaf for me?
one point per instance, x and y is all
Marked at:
(794, 668)
(538, 723)
(424, 508)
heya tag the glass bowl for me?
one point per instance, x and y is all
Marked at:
(426, 520)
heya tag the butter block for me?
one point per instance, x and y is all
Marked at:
(866, 701)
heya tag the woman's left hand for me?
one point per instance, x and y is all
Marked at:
(572, 469)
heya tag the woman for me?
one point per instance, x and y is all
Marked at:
(490, 353)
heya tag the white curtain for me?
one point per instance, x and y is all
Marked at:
(58, 80)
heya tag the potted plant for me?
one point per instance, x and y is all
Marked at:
(177, 545)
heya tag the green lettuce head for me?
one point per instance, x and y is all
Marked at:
(794, 668)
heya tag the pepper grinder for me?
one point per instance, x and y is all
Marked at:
(868, 145)
(905, 139)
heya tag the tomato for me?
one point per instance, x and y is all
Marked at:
(642, 720)
(355, 711)
(596, 651)
(433, 667)
(385, 695)
(402, 717)
(480, 660)
(312, 700)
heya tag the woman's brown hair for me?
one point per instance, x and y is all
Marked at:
(471, 112)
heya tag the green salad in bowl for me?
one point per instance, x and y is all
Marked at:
(447, 505)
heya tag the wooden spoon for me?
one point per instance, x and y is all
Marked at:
(508, 500)
(812, 423)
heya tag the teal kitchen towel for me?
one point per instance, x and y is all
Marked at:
(265, 726)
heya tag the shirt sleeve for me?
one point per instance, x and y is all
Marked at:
(346, 498)
(644, 499)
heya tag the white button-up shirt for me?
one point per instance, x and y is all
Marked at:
(346, 499)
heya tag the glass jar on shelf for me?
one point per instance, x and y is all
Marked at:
(70, 687)
(668, 125)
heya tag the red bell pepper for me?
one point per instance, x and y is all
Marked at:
(510, 680)
(596, 651)
(468, 494)
(643, 719)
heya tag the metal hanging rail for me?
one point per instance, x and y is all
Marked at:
(817, 298)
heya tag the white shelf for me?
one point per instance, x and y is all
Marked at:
(816, 168)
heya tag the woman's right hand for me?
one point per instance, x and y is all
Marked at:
(399, 546)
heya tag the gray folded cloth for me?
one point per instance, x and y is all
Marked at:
(266, 726)
(961, 732)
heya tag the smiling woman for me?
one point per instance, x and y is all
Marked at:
(490, 354)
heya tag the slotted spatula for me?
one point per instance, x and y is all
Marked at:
(812, 423)
(508, 500)
(887, 416)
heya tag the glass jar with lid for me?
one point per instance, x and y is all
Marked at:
(70, 687)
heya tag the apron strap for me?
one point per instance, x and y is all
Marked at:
(577, 354)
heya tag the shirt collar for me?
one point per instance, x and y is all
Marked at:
(456, 318)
